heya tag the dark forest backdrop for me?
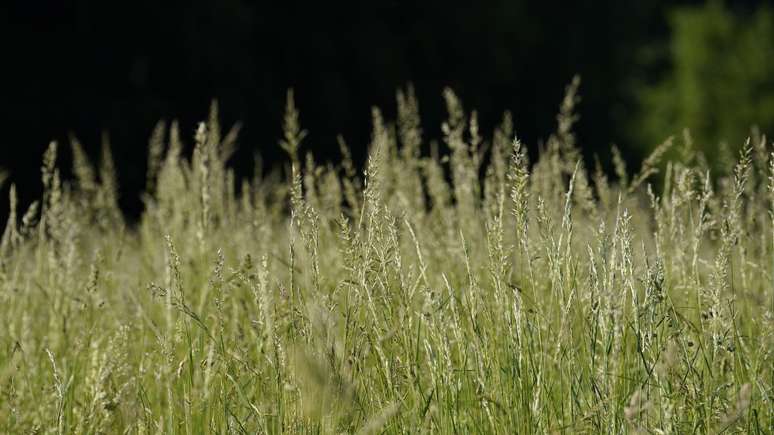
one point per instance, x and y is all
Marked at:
(648, 68)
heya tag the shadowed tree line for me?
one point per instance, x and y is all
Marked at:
(84, 67)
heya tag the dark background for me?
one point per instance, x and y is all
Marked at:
(85, 67)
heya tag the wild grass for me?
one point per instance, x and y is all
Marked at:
(476, 291)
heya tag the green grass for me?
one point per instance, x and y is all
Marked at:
(474, 292)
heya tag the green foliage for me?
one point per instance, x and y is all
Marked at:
(720, 81)
(453, 293)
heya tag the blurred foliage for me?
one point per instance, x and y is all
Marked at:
(82, 67)
(720, 82)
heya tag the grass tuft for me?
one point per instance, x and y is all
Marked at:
(469, 290)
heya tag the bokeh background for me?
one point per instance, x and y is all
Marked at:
(648, 69)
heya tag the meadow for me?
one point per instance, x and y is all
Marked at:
(461, 286)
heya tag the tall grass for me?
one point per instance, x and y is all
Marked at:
(479, 291)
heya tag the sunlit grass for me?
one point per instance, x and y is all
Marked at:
(465, 292)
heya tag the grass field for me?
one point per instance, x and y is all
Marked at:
(477, 291)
